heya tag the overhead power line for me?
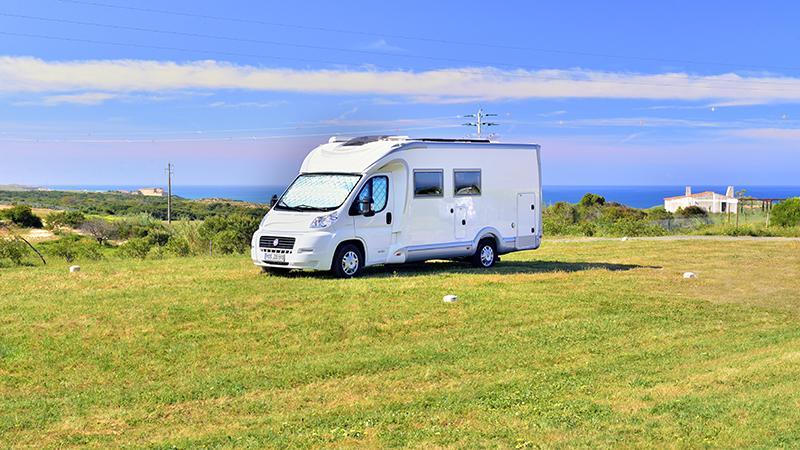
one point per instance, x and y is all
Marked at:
(426, 39)
(140, 140)
(708, 84)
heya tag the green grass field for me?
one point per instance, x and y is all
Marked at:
(577, 344)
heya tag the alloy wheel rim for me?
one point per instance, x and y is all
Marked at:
(487, 255)
(350, 263)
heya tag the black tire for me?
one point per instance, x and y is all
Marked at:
(485, 254)
(275, 270)
(348, 262)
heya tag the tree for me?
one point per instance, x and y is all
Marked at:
(23, 216)
(787, 213)
(101, 230)
(590, 199)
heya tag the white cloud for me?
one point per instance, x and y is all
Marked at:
(86, 98)
(33, 75)
(384, 46)
(783, 134)
(270, 104)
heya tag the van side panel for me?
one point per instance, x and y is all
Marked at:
(450, 225)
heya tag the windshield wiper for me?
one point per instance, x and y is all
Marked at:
(301, 207)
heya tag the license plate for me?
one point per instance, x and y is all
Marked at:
(274, 257)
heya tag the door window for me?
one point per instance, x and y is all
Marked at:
(376, 192)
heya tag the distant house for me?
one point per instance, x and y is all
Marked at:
(151, 192)
(708, 200)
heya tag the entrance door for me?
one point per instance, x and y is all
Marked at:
(526, 220)
(375, 227)
(460, 223)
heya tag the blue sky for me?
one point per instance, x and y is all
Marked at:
(108, 91)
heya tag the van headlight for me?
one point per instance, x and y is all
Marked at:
(324, 221)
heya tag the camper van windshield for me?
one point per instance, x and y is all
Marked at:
(317, 192)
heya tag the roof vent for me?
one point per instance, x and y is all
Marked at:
(335, 139)
(361, 140)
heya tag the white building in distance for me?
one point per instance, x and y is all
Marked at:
(708, 200)
(151, 192)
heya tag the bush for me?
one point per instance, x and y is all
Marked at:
(590, 199)
(158, 237)
(137, 226)
(65, 219)
(101, 230)
(559, 219)
(72, 247)
(634, 227)
(136, 248)
(13, 250)
(787, 213)
(186, 240)
(691, 211)
(659, 213)
(178, 246)
(229, 234)
(23, 216)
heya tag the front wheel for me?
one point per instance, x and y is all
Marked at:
(485, 255)
(348, 261)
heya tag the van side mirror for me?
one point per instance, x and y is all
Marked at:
(273, 200)
(365, 208)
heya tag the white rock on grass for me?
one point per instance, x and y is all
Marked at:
(689, 275)
(73, 269)
(624, 239)
(449, 298)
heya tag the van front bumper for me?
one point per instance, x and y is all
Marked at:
(312, 250)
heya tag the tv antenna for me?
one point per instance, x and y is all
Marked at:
(479, 120)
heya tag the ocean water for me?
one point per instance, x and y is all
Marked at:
(635, 196)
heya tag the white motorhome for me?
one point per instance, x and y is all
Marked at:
(392, 199)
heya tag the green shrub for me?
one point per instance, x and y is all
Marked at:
(633, 227)
(691, 211)
(65, 219)
(13, 250)
(186, 233)
(658, 213)
(72, 247)
(158, 237)
(137, 226)
(137, 247)
(229, 234)
(178, 246)
(787, 213)
(23, 216)
(614, 212)
(590, 199)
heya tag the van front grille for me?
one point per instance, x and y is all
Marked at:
(276, 242)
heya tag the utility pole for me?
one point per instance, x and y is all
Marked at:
(170, 171)
(479, 123)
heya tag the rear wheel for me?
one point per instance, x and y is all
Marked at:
(485, 254)
(348, 261)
